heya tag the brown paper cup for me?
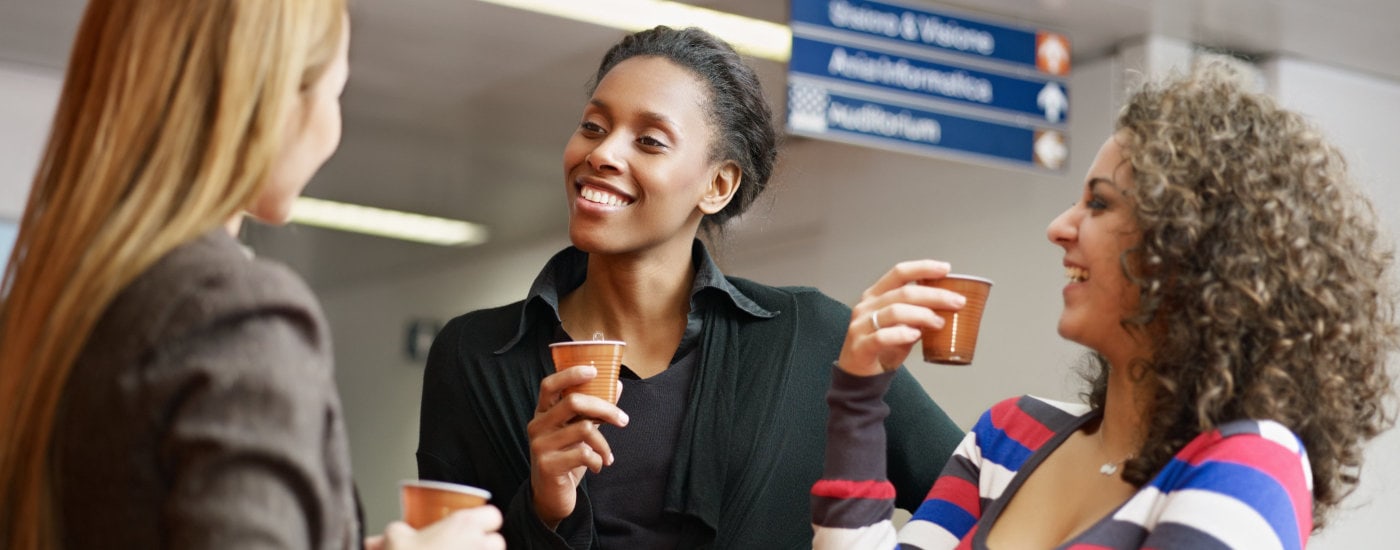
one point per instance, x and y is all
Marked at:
(427, 502)
(956, 342)
(604, 355)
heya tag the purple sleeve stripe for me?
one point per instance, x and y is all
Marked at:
(1050, 416)
(850, 513)
(960, 467)
(1176, 535)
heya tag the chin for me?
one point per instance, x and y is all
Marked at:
(590, 241)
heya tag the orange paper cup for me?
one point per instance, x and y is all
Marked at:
(604, 355)
(427, 502)
(956, 342)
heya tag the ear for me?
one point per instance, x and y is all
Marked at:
(723, 185)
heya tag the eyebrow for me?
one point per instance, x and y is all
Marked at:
(649, 116)
(1095, 181)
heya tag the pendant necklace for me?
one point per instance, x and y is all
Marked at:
(1111, 467)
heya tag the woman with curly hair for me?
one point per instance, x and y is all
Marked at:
(1231, 282)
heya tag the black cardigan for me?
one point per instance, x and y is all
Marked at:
(751, 445)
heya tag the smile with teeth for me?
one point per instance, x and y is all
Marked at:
(1076, 274)
(599, 196)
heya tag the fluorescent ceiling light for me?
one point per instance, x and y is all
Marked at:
(386, 223)
(750, 36)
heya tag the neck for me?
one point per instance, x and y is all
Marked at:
(634, 298)
(1123, 426)
(234, 224)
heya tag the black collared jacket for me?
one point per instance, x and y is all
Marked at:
(753, 439)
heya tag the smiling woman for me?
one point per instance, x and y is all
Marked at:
(718, 434)
(1231, 284)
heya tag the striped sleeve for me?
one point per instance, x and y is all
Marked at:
(851, 505)
(853, 502)
(981, 468)
(1245, 485)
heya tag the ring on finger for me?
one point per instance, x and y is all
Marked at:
(875, 320)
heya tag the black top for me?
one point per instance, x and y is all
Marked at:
(752, 428)
(628, 496)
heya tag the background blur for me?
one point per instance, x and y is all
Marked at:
(460, 108)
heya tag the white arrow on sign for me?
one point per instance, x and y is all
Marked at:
(1053, 101)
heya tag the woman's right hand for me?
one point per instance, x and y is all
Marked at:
(900, 311)
(473, 528)
(564, 440)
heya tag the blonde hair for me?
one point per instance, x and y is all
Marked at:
(166, 128)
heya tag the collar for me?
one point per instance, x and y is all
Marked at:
(568, 268)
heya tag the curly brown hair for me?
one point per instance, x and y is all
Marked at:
(1265, 280)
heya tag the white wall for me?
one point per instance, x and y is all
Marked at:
(1359, 114)
(379, 385)
(28, 97)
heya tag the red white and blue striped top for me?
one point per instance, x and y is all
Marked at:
(1246, 484)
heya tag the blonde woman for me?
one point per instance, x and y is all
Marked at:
(158, 387)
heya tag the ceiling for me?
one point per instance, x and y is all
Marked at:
(459, 108)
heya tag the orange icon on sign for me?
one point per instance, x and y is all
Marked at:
(1052, 53)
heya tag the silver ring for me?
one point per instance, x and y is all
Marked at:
(875, 320)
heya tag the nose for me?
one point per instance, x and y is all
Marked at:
(606, 156)
(1063, 230)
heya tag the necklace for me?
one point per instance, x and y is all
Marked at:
(1111, 467)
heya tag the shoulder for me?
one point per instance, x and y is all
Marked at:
(809, 300)
(1244, 482)
(1021, 425)
(485, 330)
(211, 280)
(1030, 410)
(1264, 449)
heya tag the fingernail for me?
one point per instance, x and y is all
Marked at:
(590, 370)
(610, 459)
(625, 419)
(960, 301)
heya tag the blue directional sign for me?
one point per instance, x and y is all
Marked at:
(919, 26)
(888, 75)
(1041, 97)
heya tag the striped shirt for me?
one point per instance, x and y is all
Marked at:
(1246, 484)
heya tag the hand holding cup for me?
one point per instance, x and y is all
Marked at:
(441, 515)
(956, 341)
(564, 436)
(892, 315)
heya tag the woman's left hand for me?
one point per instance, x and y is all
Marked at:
(891, 316)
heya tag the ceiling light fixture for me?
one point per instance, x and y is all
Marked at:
(387, 223)
(750, 36)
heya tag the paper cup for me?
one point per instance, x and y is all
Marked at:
(604, 355)
(956, 342)
(427, 502)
